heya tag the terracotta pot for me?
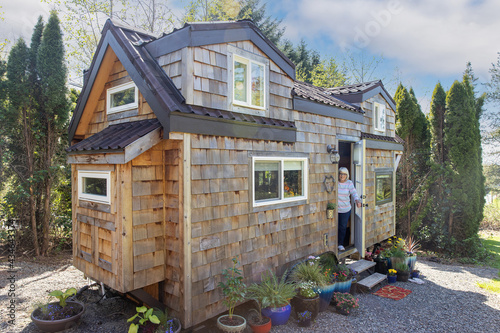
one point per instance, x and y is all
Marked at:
(301, 304)
(260, 328)
(232, 328)
(58, 324)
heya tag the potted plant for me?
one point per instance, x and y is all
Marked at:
(392, 275)
(330, 210)
(344, 302)
(234, 291)
(167, 324)
(343, 276)
(309, 278)
(146, 319)
(304, 318)
(403, 272)
(307, 299)
(415, 273)
(276, 295)
(412, 247)
(58, 316)
(258, 323)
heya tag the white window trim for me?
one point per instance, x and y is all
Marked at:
(249, 63)
(125, 107)
(282, 160)
(234, 51)
(376, 120)
(92, 197)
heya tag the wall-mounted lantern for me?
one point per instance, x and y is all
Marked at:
(334, 154)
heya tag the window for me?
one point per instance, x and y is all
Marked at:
(277, 180)
(379, 117)
(123, 97)
(249, 83)
(383, 187)
(94, 186)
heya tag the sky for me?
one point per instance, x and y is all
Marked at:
(421, 42)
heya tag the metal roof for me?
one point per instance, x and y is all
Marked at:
(322, 95)
(116, 137)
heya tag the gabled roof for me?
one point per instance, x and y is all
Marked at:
(359, 92)
(322, 95)
(136, 52)
(206, 33)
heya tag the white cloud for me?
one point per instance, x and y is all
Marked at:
(20, 16)
(432, 36)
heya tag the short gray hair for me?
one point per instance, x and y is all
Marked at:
(344, 170)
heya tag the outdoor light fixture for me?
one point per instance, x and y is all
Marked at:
(334, 154)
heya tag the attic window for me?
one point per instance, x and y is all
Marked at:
(121, 98)
(249, 83)
(379, 117)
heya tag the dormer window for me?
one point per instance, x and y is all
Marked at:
(249, 83)
(123, 97)
(379, 117)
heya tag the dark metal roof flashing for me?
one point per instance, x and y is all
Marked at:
(359, 92)
(322, 95)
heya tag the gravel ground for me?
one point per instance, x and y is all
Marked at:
(449, 301)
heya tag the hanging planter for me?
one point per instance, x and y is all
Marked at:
(330, 210)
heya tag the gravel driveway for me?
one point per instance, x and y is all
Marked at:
(449, 301)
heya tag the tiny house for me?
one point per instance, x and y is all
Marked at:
(194, 147)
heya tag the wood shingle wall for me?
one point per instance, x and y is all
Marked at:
(100, 119)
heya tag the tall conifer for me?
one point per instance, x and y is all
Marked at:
(53, 104)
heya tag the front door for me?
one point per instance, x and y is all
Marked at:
(358, 177)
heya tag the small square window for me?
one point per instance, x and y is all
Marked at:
(278, 180)
(383, 187)
(94, 186)
(121, 98)
(379, 117)
(249, 83)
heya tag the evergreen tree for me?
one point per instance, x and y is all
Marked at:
(411, 126)
(436, 119)
(54, 106)
(461, 133)
(328, 74)
(270, 27)
(19, 119)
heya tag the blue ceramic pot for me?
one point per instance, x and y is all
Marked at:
(325, 296)
(392, 279)
(344, 286)
(411, 261)
(279, 316)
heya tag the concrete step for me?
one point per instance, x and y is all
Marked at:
(372, 280)
(361, 265)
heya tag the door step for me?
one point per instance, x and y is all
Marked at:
(361, 265)
(372, 280)
(346, 253)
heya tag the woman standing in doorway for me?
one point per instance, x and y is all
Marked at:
(345, 190)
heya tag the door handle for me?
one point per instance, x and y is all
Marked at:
(364, 205)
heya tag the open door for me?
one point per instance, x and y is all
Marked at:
(358, 179)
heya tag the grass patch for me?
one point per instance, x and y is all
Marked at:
(493, 285)
(492, 243)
